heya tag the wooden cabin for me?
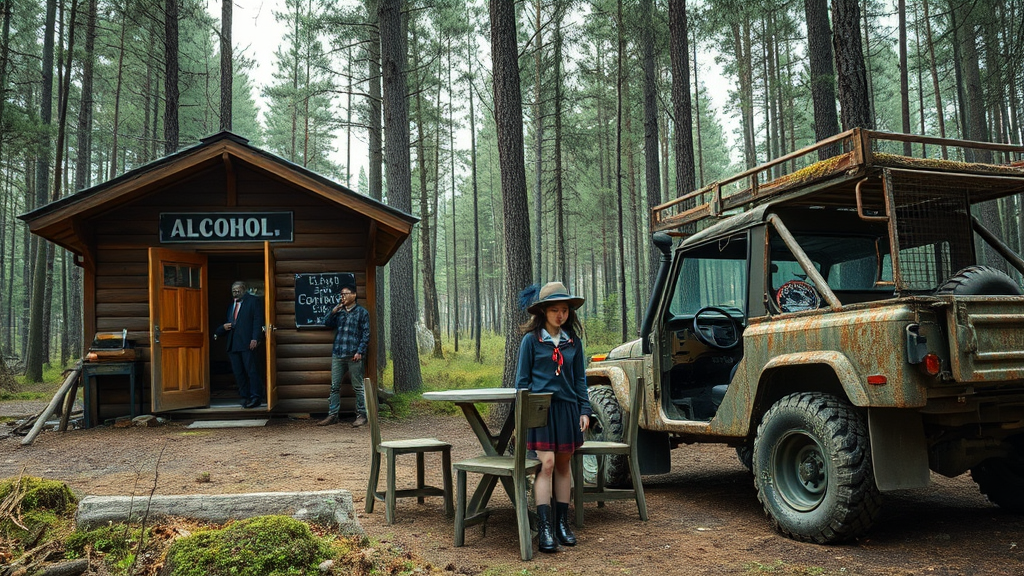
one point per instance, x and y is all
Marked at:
(161, 245)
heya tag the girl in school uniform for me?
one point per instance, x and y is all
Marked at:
(551, 360)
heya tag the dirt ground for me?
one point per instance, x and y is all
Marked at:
(704, 515)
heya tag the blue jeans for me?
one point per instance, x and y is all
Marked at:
(355, 370)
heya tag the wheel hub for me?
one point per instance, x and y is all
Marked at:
(801, 471)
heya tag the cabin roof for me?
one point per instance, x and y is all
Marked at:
(59, 221)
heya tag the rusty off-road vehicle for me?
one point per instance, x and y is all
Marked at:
(848, 327)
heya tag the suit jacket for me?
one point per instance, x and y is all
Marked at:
(248, 326)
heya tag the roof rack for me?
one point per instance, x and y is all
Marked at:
(846, 158)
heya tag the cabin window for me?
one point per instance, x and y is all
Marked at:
(182, 276)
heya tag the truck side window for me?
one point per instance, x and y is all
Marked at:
(714, 274)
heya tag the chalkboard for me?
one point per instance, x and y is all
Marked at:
(316, 294)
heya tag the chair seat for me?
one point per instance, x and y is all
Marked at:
(495, 465)
(602, 447)
(414, 444)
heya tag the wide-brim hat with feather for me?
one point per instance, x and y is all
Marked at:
(548, 294)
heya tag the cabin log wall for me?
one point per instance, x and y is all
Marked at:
(327, 238)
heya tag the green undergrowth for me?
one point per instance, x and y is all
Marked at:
(259, 546)
(457, 370)
(33, 511)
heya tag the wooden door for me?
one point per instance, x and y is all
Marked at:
(269, 313)
(178, 331)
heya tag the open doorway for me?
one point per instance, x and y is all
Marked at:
(225, 269)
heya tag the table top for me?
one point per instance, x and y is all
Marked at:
(473, 395)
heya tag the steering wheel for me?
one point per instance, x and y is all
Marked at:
(705, 333)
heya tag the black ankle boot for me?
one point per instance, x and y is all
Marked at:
(545, 535)
(562, 530)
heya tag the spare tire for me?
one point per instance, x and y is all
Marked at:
(980, 281)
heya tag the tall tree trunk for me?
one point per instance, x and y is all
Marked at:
(376, 162)
(84, 147)
(508, 117)
(538, 133)
(901, 9)
(851, 72)
(396, 125)
(696, 116)
(117, 94)
(227, 74)
(431, 311)
(820, 67)
(936, 89)
(456, 308)
(619, 97)
(477, 307)
(34, 352)
(652, 168)
(867, 56)
(170, 76)
(561, 253)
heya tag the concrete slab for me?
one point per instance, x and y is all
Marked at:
(331, 508)
(250, 423)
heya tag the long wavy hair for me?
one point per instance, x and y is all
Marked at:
(537, 321)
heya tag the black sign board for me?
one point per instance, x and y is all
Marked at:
(204, 227)
(316, 294)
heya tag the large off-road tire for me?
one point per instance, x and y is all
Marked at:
(1002, 481)
(812, 469)
(745, 454)
(980, 281)
(608, 428)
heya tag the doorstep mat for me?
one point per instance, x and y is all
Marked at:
(251, 423)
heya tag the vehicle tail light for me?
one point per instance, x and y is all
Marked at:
(932, 365)
(598, 357)
(878, 380)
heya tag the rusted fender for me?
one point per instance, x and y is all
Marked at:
(840, 364)
(618, 380)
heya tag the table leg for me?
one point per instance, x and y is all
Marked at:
(493, 446)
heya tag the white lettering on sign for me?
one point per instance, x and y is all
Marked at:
(212, 227)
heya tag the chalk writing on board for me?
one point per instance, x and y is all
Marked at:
(316, 295)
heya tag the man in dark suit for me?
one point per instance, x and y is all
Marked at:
(242, 332)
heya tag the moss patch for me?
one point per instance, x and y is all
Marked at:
(265, 545)
(33, 510)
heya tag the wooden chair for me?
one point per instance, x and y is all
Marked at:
(391, 449)
(531, 411)
(602, 449)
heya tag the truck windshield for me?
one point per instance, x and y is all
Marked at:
(714, 274)
(858, 263)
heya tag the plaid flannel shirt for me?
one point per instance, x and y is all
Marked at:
(353, 335)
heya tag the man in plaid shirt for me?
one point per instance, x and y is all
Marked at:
(350, 344)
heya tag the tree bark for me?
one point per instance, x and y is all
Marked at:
(822, 73)
(376, 161)
(939, 112)
(854, 108)
(431, 311)
(227, 74)
(477, 307)
(901, 9)
(620, 75)
(170, 76)
(538, 148)
(508, 116)
(652, 166)
(84, 147)
(561, 252)
(34, 352)
(396, 125)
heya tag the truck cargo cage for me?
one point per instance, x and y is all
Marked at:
(846, 170)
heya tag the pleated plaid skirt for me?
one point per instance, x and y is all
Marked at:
(562, 433)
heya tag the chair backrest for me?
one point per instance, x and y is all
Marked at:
(370, 395)
(531, 412)
(636, 396)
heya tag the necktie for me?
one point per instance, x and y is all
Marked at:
(238, 304)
